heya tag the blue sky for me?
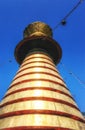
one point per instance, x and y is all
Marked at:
(15, 15)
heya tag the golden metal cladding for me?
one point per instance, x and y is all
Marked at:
(38, 99)
(38, 29)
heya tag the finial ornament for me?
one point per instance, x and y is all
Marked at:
(38, 36)
(38, 28)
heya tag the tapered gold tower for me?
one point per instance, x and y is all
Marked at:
(38, 97)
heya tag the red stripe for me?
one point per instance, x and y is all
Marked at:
(34, 57)
(31, 67)
(39, 98)
(38, 73)
(31, 80)
(36, 128)
(48, 112)
(37, 62)
(38, 88)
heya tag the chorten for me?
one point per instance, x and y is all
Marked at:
(38, 98)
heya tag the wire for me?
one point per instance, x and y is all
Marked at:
(63, 21)
(71, 73)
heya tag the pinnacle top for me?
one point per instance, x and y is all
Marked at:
(38, 36)
(38, 29)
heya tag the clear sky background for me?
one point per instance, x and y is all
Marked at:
(15, 15)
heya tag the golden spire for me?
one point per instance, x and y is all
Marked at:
(38, 35)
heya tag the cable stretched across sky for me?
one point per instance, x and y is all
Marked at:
(72, 74)
(63, 21)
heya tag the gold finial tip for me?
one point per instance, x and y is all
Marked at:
(38, 28)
